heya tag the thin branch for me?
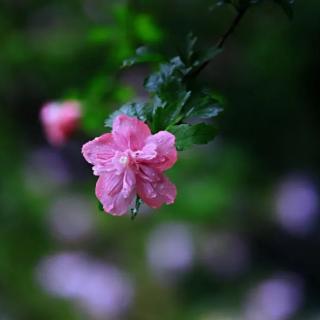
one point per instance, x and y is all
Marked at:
(233, 26)
(221, 42)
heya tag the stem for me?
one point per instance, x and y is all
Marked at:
(231, 29)
(135, 210)
(222, 41)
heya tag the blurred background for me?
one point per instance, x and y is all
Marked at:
(242, 240)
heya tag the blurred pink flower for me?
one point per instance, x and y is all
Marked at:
(60, 120)
(131, 161)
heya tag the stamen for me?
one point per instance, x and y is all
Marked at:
(123, 160)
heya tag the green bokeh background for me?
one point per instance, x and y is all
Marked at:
(269, 78)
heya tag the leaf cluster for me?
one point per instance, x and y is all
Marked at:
(173, 105)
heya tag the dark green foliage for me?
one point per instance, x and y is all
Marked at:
(205, 106)
(187, 135)
(270, 132)
(173, 71)
(172, 100)
(195, 57)
(169, 100)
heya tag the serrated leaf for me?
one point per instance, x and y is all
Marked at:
(204, 107)
(287, 6)
(138, 110)
(142, 55)
(187, 135)
(169, 110)
(174, 69)
(168, 104)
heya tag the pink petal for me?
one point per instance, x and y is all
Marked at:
(129, 183)
(130, 133)
(100, 152)
(156, 193)
(148, 173)
(165, 149)
(148, 153)
(116, 192)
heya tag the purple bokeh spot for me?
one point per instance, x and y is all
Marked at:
(277, 298)
(170, 249)
(297, 204)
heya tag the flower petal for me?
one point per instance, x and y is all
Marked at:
(165, 149)
(100, 152)
(129, 183)
(130, 133)
(156, 193)
(148, 152)
(116, 192)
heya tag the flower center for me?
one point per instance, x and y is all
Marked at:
(123, 160)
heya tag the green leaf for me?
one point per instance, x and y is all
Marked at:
(142, 55)
(287, 6)
(138, 110)
(204, 107)
(187, 135)
(169, 93)
(194, 57)
(174, 69)
(168, 108)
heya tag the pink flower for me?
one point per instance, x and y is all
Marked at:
(60, 120)
(130, 161)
